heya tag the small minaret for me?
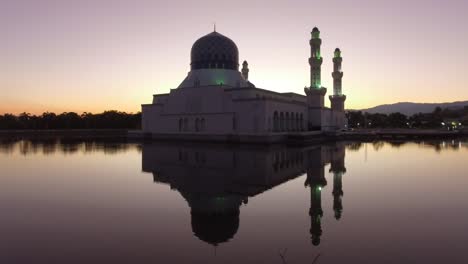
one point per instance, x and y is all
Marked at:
(315, 93)
(245, 70)
(337, 73)
(337, 99)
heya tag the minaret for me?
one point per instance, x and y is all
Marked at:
(337, 73)
(315, 93)
(338, 98)
(245, 70)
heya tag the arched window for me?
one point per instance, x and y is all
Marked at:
(301, 120)
(180, 124)
(202, 124)
(185, 124)
(275, 122)
(281, 121)
(197, 125)
(287, 120)
(234, 124)
(291, 122)
(281, 159)
(298, 122)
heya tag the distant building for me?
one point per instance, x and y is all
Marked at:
(218, 99)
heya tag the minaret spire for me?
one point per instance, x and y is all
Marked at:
(337, 73)
(315, 60)
(214, 26)
(245, 70)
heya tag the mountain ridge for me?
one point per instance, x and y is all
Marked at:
(411, 108)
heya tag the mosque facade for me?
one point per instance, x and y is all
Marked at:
(217, 99)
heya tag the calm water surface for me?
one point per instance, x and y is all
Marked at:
(85, 202)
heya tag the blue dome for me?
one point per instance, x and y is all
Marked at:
(214, 51)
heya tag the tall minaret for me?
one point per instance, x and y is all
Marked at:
(315, 93)
(315, 60)
(245, 70)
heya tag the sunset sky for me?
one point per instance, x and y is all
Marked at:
(112, 54)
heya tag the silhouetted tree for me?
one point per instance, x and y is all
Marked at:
(355, 119)
(71, 120)
(397, 120)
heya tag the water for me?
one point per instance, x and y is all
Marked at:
(85, 202)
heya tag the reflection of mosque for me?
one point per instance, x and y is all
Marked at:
(216, 180)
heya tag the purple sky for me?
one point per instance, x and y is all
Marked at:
(113, 54)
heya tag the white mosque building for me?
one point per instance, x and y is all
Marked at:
(217, 99)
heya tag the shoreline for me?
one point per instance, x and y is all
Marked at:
(294, 138)
(65, 133)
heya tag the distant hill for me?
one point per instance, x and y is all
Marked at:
(409, 109)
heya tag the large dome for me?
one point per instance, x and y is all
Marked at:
(214, 51)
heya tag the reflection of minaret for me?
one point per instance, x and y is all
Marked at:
(316, 181)
(338, 169)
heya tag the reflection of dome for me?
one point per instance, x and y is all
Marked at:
(215, 228)
(214, 51)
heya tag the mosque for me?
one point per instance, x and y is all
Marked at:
(217, 99)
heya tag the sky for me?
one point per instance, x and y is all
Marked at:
(91, 56)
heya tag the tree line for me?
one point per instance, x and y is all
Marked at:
(70, 120)
(449, 118)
